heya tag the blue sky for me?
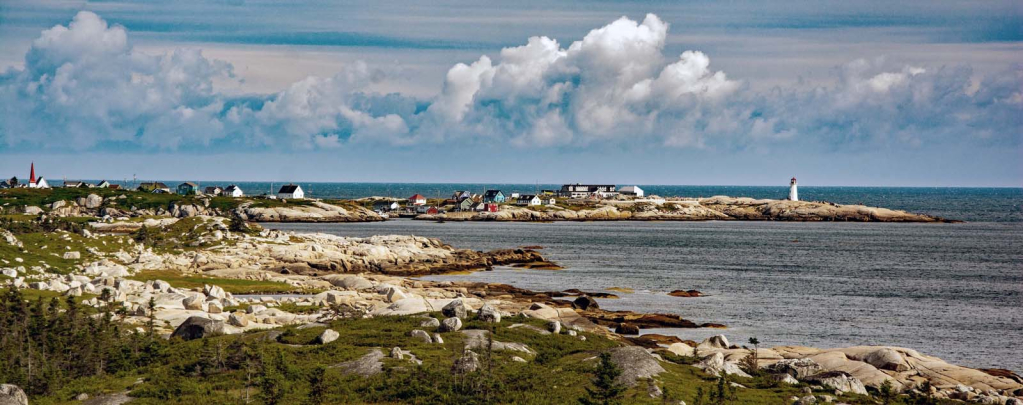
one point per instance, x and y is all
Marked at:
(918, 93)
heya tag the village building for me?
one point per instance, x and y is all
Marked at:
(75, 184)
(154, 187)
(188, 188)
(213, 190)
(233, 191)
(102, 184)
(528, 200)
(291, 192)
(493, 196)
(465, 205)
(10, 183)
(588, 190)
(386, 206)
(416, 200)
(460, 195)
(633, 191)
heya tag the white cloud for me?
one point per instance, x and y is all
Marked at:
(84, 87)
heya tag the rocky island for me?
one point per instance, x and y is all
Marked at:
(701, 209)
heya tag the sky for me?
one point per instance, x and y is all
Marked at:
(870, 93)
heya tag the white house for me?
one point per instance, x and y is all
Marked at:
(233, 191)
(634, 191)
(528, 200)
(291, 191)
(41, 183)
(416, 200)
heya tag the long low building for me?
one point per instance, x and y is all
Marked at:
(579, 190)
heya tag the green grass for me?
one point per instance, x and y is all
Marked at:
(214, 370)
(231, 285)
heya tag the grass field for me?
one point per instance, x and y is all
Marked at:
(231, 285)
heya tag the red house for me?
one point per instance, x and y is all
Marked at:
(416, 200)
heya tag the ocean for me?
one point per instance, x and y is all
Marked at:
(950, 290)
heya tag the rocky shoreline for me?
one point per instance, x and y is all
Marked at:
(718, 208)
(375, 277)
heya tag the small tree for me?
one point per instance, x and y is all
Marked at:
(886, 392)
(238, 225)
(143, 235)
(606, 390)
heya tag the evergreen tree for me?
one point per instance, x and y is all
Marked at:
(606, 390)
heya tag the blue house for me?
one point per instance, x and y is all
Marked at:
(493, 196)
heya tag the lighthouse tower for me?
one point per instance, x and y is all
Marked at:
(793, 192)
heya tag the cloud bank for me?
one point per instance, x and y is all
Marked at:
(83, 87)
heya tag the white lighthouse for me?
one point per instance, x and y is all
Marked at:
(793, 192)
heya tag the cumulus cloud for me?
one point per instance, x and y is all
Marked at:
(84, 87)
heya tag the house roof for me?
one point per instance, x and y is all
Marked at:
(232, 188)
(288, 189)
(115, 186)
(211, 189)
(417, 197)
(527, 196)
(188, 183)
(492, 193)
(153, 184)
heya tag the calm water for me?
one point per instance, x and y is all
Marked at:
(968, 204)
(950, 290)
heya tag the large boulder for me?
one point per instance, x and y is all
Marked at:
(797, 368)
(636, 364)
(12, 395)
(328, 335)
(214, 291)
(626, 328)
(715, 364)
(468, 363)
(355, 283)
(197, 327)
(238, 320)
(488, 313)
(585, 302)
(450, 325)
(421, 335)
(714, 342)
(365, 366)
(93, 201)
(839, 381)
(885, 359)
(194, 302)
(455, 308)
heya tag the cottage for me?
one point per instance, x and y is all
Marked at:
(187, 188)
(153, 186)
(74, 184)
(13, 182)
(633, 191)
(550, 200)
(416, 200)
(233, 191)
(33, 182)
(291, 192)
(460, 195)
(493, 196)
(466, 205)
(102, 184)
(114, 186)
(386, 206)
(213, 190)
(528, 200)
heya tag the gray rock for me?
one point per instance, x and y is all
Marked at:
(328, 335)
(355, 283)
(430, 322)
(469, 362)
(840, 381)
(421, 335)
(394, 294)
(93, 201)
(72, 255)
(12, 395)
(554, 327)
(455, 308)
(809, 399)
(716, 342)
(450, 325)
(214, 291)
(437, 339)
(636, 363)
(368, 365)
(197, 327)
(488, 313)
(784, 378)
(396, 353)
(478, 339)
(33, 210)
(194, 302)
(797, 368)
(237, 320)
(715, 364)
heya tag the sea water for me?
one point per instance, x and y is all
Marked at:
(950, 290)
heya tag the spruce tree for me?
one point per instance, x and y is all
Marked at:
(606, 390)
